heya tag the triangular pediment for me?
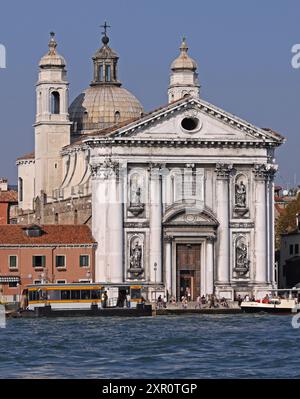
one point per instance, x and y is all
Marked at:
(193, 118)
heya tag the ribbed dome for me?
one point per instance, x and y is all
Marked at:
(184, 61)
(102, 106)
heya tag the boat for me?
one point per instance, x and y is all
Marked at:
(280, 301)
(80, 299)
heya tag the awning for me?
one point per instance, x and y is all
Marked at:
(9, 279)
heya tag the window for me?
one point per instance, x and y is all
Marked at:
(296, 248)
(55, 100)
(13, 284)
(135, 293)
(65, 295)
(291, 249)
(20, 189)
(117, 116)
(37, 281)
(39, 261)
(60, 261)
(61, 281)
(107, 73)
(75, 294)
(189, 123)
(100, 72)
(96, 294)
(84, 260)
(13, 262)
(56, 218)
(33, 231)
(85, 294)
(54, 295)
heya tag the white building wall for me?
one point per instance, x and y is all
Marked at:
(26, 172)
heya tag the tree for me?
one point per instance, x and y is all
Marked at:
(287, 220)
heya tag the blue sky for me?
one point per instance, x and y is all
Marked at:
(243, 50)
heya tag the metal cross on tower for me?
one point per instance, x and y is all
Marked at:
(105, 26)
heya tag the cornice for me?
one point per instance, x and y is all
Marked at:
(205, 107)
(175, 142)
(24, 161)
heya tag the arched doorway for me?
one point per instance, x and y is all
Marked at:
(189, 241)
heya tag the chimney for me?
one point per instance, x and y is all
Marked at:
(3, 184)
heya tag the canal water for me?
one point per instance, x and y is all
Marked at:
(191, 346)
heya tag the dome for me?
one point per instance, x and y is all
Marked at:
(184, 61)
(52, 58)
(101, 106)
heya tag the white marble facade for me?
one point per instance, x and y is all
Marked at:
(162, 185)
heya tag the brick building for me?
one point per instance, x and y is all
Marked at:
(44, 254)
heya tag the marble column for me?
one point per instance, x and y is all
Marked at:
(115, 228)
(210, 265)
(262, 222)
(155, 224)
(99, 220)
(223, 266)
(107, 222)
(168, 264)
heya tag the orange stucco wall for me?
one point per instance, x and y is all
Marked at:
(4, 212)
(72, 272)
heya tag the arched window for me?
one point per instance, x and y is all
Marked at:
(55, 102)
(117, 116)
(20, 189)
(100, 72)
(107, 73)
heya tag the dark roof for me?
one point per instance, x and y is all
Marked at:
(51, 234)
(26, 156)
(291, 233)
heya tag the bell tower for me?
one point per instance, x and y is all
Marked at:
(184, 78)
(52, 123)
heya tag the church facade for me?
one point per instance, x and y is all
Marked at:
(179, 198)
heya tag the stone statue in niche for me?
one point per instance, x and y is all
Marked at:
(136, 206)
(136, 256)
(135, 269)
(242, 261)
(136, 195)
(240, 195)
(240, 209)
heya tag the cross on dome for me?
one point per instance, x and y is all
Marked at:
(105, 38)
